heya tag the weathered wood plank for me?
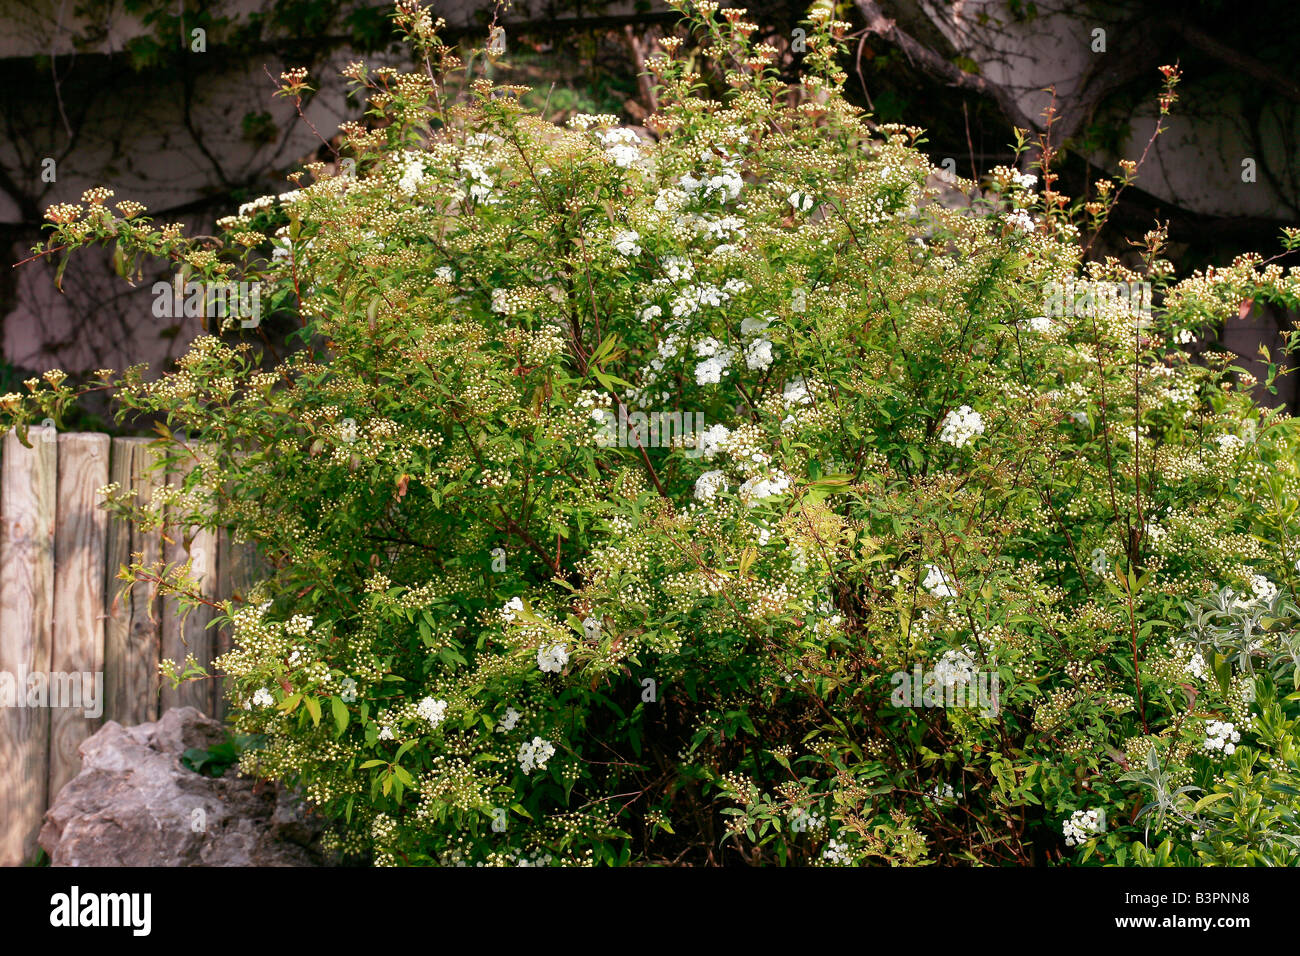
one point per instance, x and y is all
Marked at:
(28, 478)
(191, 636)
(132, 628)
(80, 526)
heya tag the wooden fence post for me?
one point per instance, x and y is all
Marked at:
(193, 636)
(79, 536)
(132, 629)
(65, 620)
(28, 478)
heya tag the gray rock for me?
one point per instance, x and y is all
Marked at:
(135, 804)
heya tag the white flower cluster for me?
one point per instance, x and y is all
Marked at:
(801, 201)
(534, 859)
(410, 172)
(720, 228)
(507, 723)
(759, 487)
(725, 186)
(960, 426)
(836, 853)
(712, 440)
(1221, 735)
(585, 121)
(627, 243)
(1082, 826)
(477, 184)
(1230, 445)
(796, 392)
(508, 301)
(670, 199)
(708, 346)
(710, 484)
(622, 146)
(717, 362)
(692, 298)
(534, 754)
(938, 583)
(758, 355)
(1154, 532)
(954, 667)
(801, 819)
(251, 208)
(511, 608)
(1020, 219)
(434, 711)
(943, 793)
(1265, 590)
(552, 658)
(597, 406)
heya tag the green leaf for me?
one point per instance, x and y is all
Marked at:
(341, 715)
(1205, 801)
(58, 274)
(1223, 671)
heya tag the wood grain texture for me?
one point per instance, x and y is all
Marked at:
(79, 539)
(28, 478)
(132, 625)
(63, 611)
(192, 635)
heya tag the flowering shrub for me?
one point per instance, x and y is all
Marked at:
(493, 632)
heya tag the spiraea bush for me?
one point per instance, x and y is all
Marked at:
(505, 621)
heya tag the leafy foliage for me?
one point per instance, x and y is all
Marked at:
(497, 629)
